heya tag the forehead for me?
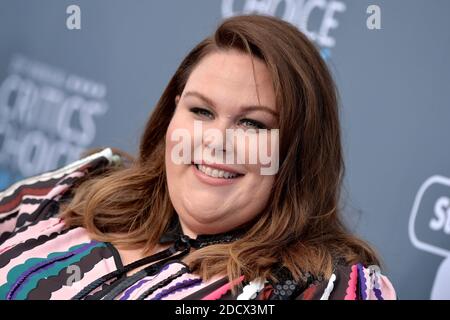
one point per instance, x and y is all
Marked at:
(229, 77)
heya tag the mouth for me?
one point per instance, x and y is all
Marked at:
(214, 175)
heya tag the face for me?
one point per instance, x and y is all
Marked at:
(223, 93)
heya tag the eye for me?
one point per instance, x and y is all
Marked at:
(202, 112)
(252, 124)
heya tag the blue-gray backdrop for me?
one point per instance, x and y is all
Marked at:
(63, 89)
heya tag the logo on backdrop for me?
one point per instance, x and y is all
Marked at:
(315, 18)
(429, 228)
(47, 117)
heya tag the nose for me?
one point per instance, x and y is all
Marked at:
(215, 137)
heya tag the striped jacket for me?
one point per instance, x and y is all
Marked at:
(40, 258)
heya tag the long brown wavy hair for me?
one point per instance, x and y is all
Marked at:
(301, 227)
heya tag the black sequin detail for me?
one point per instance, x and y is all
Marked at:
(285, 287)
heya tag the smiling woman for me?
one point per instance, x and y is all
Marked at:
(156, 228)
(231, 81)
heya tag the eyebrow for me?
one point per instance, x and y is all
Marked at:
(244, 108)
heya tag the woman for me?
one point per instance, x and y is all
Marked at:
(110, 227)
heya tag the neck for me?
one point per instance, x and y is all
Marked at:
(177, 229)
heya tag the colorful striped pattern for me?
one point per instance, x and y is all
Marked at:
(40, 258)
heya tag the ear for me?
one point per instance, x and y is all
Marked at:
(177, 99)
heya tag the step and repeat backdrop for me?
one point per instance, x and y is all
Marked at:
(80, 74)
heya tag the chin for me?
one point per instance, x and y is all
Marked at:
(208, 216)
(199, 226)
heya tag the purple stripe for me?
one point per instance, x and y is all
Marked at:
(133, 288)
(44, 265)
(378, 293)
(362, 282)
(130, 290)
(376, 287)
(165, 267)
(177, 287)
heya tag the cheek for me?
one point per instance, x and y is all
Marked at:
(258, 189)
(172, 168)
(263, 184)
(260, 153)
(258, 193)
(178, 146)
(169, 146)
(266, 190)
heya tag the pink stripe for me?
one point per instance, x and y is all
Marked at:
(351, 289)
(9, 225)
(42, 227)
(171, 269)
(60, 244)
(217, 294)
(6, 213)
(387, 290)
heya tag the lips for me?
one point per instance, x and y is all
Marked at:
(219, 167)
(218, 172)
(215, 173)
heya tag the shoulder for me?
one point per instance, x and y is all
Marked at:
(352, 282)
(87, 163)
(36, 198)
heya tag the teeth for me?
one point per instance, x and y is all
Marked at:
(216, 173)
